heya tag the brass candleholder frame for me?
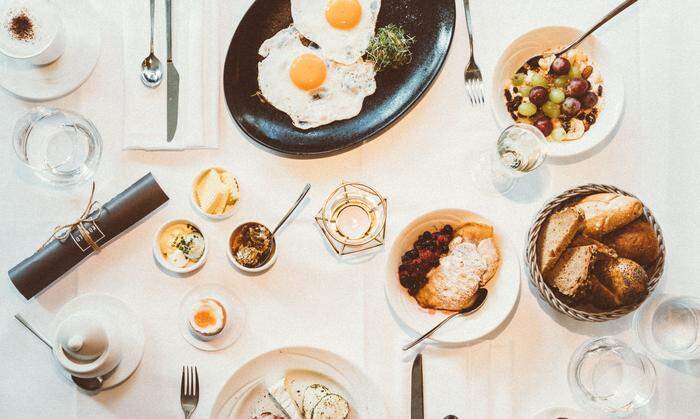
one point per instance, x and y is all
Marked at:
(353, 196)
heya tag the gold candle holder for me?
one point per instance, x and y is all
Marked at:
(353, 218)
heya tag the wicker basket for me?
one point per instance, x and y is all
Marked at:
(554, 205)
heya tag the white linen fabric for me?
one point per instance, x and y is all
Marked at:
(196, 57)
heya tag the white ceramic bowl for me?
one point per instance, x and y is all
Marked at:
(167, 265)
(552, 37)
(194, 200)
(261, 268)
(503, 288)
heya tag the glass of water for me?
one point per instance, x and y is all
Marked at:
(61, 147)
(520, 149)
(669, 327)
(607, 376)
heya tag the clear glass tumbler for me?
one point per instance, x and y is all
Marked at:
(669, 327)
(607, 376)
(61, 147)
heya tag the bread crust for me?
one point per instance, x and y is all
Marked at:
(636, 241)
(625, 278)
(556, 235)
(606, 212)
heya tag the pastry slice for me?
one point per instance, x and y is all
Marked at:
(571, 273)
(555, 236)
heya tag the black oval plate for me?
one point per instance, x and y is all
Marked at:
(430, 22)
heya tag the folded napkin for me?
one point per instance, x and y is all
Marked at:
(196, 56)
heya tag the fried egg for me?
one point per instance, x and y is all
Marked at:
(343, 28)
(208, 318)
(312, 89)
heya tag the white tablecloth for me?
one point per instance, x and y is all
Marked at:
(311, 298)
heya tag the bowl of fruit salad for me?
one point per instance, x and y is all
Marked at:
(575, 99)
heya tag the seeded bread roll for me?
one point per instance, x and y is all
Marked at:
(625, 278)
(636, 241)
(555, 236)
(571, 273)
(606, 212)
(601, 297)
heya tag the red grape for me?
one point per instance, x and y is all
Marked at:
(560, 66)
(545, 125)
(589, 100)
(577, 87)
(538, 95)
(571, 106)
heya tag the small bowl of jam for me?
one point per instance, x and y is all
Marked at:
(252, 247)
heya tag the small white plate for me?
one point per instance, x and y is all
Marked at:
(551, 37)
(235, 316)
(129, 326)
(244, 394)
(503, 288)
(167, 265)
(195, 201)
(83, 44)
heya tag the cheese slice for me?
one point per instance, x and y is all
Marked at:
(212, 194)
(232, 185)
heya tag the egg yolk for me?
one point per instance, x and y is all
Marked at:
(343, 14)
(308, 72)
(204, 318)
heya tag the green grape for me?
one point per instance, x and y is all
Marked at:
(561, 81)
(557, 95)
(527, 109)
(558, 134)
(574, 72)
(518, 79)
(551, 109)
(524, 89)
(538, 80)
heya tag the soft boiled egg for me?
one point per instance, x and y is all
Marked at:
(342, 28)
(208, 318)
(303, 83)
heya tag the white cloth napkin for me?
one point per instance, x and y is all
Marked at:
(196, 57)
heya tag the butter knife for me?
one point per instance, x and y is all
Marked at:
(173, 76)
(417, 388)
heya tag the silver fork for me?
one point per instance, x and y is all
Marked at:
(472, 75)
(189, 390)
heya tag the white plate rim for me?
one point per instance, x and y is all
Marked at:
(419, 320)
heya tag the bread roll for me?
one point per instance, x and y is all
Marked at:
(606, 212)
(601, 297)
(636, 241)
(625, 278)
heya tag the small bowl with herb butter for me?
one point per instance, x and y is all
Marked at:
(252, 247)
(180, 246)
(215, 192)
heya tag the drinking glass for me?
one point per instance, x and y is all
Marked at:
(669, 327)
(520, 149)
(606, 375)
(61, 147)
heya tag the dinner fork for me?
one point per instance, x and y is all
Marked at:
(189, 390)
(472, 75)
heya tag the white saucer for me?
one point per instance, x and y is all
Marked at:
(70, 70)
(130, 332)
(235, 314)
(503, 288)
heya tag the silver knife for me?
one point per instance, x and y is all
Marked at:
(417, 388)
(173, 76)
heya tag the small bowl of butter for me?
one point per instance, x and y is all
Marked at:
(215, 192)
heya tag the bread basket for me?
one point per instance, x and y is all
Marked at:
(532, 262)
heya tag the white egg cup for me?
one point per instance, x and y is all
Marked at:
(195, 201)
(167, 265)
(265, 266)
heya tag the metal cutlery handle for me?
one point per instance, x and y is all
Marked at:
(605, 19)
(153, 12)
(291, 210)
(168, 27)
(468, 15)
(430, 332)
(36, 333)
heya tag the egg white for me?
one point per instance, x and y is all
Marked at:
(339, 97)
(343, 46)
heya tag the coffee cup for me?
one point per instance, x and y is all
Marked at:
(31, 31)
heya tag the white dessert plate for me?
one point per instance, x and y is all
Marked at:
(235, 316)
(129, 326)
(70, 70)
(244, 395)
(540, 40)
(503, 288)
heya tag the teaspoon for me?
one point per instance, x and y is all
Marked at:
(291, 210)
(151, 71)
(87, 384)
(481, 295)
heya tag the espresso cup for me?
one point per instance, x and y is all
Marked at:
(31, 31)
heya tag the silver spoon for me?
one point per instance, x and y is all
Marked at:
(605, 19)
(291, 210)
(481, 295)
(87, 384)
(151, 71)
